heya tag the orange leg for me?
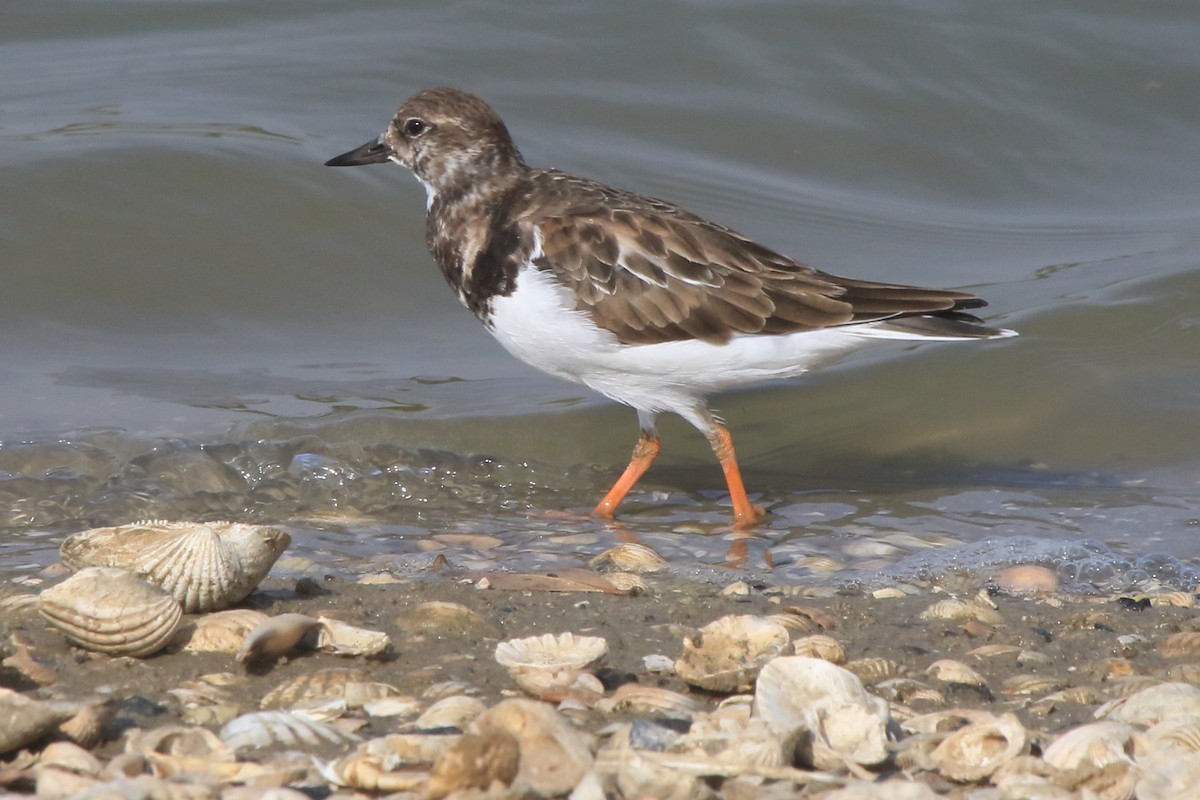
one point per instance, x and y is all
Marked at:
(644, 453)
(745, 513)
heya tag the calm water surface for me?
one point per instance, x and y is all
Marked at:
(199, 320)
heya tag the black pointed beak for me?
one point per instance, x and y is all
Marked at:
(373, 152)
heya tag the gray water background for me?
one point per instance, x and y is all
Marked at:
(199, 320)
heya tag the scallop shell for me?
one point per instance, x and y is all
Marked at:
(976, 751)
(205, 566)
(804, 619)
(954, 609)
(271, 728)
(825, 708)
(819, 645)
(352, 686)
(551, 652)
(872, 669)
(728, 653)
(629, 557)
(110, 610)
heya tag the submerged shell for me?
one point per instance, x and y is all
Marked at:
(728, 653)
(111, 611)
(551, 652)
(629, 557)
(205, 566)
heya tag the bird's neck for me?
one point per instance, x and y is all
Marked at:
(466, 231)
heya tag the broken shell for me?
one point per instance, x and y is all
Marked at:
(549, 652)
(1095, 746)
(204, 566)
(826, 708)
(220, 632)
(111, 611)
(286, 728)
(352, 686)
(1181, 733)
(179, 740)
(87, 727)
(820, 646)
(629, 557)
(907, 690)
(728, 653)
(976, 751)
(344, 639)
(554, 754)
(653, 700)
(476, 761)
(24, 720)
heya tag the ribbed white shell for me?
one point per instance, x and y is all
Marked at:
(205, 566)
(111, 610)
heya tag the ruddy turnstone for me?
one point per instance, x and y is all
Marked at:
(635, 297)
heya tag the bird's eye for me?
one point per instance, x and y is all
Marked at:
(415, 127)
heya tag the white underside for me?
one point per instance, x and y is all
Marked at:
(538, 324)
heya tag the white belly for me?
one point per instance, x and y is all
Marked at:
(539, 324)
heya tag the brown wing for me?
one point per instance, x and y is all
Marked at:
(656, 274)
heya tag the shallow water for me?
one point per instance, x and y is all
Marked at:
(201, 320)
